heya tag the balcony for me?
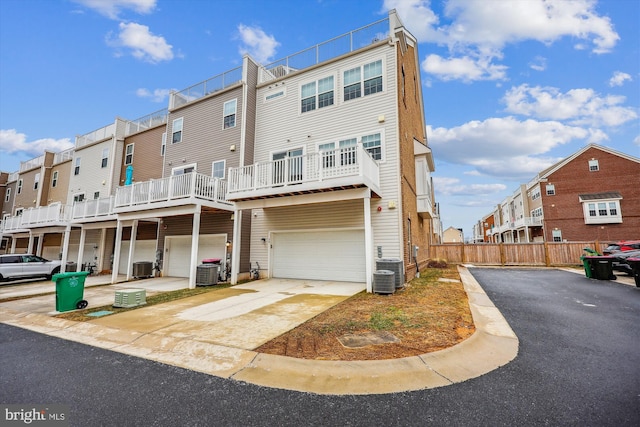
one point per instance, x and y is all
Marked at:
(93, 209)
(46, 216)
(425, 206)
(351, 167)
(176, 190)
(526, 222)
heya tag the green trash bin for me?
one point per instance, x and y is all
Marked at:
(585, 261)
(70, 290)
(601, 267)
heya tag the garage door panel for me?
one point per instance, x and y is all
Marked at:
(320, 255)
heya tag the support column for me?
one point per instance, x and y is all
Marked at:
(65, 248)
(40, 243)
(116, 253)
(30, 245)
(83, 236)
(101, 250)
(195, 239)
(13, 244)
(235, 250)
(132, 247)
(368, 244)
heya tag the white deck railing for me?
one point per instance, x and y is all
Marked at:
(45, 215)
(93, 208)
(174, 187)
(424, 204)
(33, 163)
(318, 167)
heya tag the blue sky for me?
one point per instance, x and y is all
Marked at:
(510, 87)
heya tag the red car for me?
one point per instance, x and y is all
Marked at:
(622, 246)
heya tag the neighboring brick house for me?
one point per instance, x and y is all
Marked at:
(594, 194)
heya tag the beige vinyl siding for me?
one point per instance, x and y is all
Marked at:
(28, 196)
(59, 193)
(8, 206)
(147, 159)
(92, 174)
(280, 120)
(203, 138)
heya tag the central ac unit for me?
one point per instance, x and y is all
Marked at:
(127, 298)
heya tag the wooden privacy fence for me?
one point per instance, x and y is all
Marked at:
(538, 254)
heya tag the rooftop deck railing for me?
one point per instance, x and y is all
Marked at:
(96, 135)
(199, 90)
(147, 122)
(32, 163)
(332, 48)
(63, 156)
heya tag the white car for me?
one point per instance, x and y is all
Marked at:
(18, 266)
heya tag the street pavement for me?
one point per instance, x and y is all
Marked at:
(576, 365)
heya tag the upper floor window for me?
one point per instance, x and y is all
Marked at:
(535, 193)
(96, 195)
(229, 114)
(176, 128)
(19, 186)
(54, 179)
(274, 95)
(556, 235)
(217, 169)
(36, 181)
(594, 166)
(105, 157)
(128, 154)
(536, 213)
(78, 197)
(551, 189)
(7, 195)
(373, 144)
(76, 168)
(163, 147)
(366, 79)
(317, 94)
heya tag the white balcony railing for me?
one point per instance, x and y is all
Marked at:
(424, 204)
(317, 170)
(97, 135)
(189, 185)
(33, 163)
(93, 208)
(38, 217)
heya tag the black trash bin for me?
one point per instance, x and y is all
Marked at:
(601, 267)
(635, 267)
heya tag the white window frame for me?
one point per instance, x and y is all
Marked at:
(19, 211)
(536, 213)
(19, 189)
(317, 94)
(594, 165)
(76, 166)
(213, 168)
(535, 193)
(78, 197)
(230, 109)
(163, 147)
(275, 94)
(7, 195)
(179, 125)
(104, 161)
(96, 195)
(193, 166)
(128, 156)
(550, 190)
(36, 181)
(594, 214)
(54, 179)
(357, 76)
(556, 235)
(381, 136)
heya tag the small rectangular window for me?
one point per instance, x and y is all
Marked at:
(96, 195)
(177, 131)
(78, 197)
(76, 168)
(557, 235)
(19, 186)
(602, 209)
(613, 209)
(348, 151)
(229, 114)
(551, 189)
(365, 80)
(105, 157)
(373, 78)
(592, 209)
(217, 170)
(594, 166)
(54, 180)
(128, 155)
(7, 195)
(352, 88)
(163, 147)
(36, 181)
(373, 144)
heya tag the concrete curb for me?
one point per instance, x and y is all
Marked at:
(492, 345)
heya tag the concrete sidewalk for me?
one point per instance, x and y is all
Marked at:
(216, 333)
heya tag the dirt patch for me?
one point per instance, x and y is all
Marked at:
(429, 314)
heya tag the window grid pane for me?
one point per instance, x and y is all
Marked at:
(373, 86)
(325, 99)
(352, 92)
(308, 104)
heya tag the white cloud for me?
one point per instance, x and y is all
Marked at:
(257, 43)
(466, 68)
(539, 63)
(158, 95)
(143, 44)
(504, 147)
(476, 31)
(578, 106)
(636, 140)
(13, 142)
(619, 78)
(112, 8)
(453, 186)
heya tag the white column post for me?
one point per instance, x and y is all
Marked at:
(116, 253)
(30, 246)
(83, 236)
(368, 244)
(65, 248)
(235, 250)
(40, 243)
(132, 247)
(194, 247)
(13, 244)
(101, 250)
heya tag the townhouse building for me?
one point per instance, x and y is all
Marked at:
(591, 195)
(311, 167)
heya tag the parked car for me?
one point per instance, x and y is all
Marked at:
(18, 266)
(620, 260)
(622, 246)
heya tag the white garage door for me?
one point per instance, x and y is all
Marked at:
(177, 255)
(319, 255)
(145, 251)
